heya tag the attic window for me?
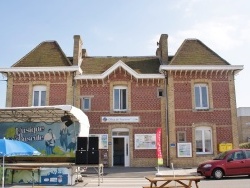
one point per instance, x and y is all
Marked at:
(120, 98)
(39, 95)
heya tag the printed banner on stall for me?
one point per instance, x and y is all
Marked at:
(53, 138)
(158, 146)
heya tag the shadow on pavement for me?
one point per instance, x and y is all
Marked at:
(123, 172)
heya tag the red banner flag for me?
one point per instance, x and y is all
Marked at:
(158, 146)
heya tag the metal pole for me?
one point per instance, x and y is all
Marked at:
(3, 174)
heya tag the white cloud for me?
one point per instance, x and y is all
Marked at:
(222, 34)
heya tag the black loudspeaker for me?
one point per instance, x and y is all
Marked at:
(93, 143)
(82, 143)
(93, 157)
(69, 122)
(81, 157)
(65, 118)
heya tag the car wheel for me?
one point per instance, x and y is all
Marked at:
(218, 173)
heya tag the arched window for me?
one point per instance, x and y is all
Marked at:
(203, 139)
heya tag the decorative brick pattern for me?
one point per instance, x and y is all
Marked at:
(183, 117)
(19, 96)
(57, 94)
(220, 95)
(143, 102)
(219, 117)
(224, 134)
(175, 111)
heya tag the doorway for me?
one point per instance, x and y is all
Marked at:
(118, 152)
(120, 147)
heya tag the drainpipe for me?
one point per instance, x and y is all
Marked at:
(73, 102)
(74, 87)
(167, 125)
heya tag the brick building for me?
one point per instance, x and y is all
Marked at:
(243, 114)
(190, 96)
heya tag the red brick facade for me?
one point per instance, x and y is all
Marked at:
(159, 99)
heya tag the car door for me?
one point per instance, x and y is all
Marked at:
(247, 165)
(235, 164)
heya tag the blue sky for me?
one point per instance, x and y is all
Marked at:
(128, 28)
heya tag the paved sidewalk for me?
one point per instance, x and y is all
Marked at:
(178, 171)
(120, 172)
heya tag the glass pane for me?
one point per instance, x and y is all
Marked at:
(36, 97)
(86, 103)
(197, 97)
(208, 140)
(198, 139)
(124, 99)
(204, 96)
(248, 154)
(43, 98)
(116, 98)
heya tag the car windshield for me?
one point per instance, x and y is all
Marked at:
(221, 155)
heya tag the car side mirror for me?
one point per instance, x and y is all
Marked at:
(229, 159)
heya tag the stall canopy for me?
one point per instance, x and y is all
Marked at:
(46, 114)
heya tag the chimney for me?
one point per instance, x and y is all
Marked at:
(84, 53)
(162, 50)
(77, 51)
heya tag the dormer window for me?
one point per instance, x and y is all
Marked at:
(120, 98)
(39, 95)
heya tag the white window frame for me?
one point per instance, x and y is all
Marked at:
(83, 103)
(201, 98)
(40, 89)
(120, 102)
(203, 141)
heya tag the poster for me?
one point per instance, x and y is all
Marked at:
(184, 149)
(145, 141)
(103, 140)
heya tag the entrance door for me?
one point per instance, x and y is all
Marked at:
(121, 151)
(118, 152)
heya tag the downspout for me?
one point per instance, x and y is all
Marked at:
(73, 102)
(74, 87)
(167, 125)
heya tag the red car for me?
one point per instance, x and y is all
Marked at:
(229, 163)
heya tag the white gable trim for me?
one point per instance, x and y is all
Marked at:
(235, 68)
(41, 69)
(114, 67)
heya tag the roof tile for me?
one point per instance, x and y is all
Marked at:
(194, 52)
(142, 65)
(46, 54)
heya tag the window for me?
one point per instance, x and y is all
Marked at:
(201, 96)
(203, 139)
(39, 95)
(238, 155)
(86, 103)
(120, 98)
(160, 93)
(247, 154)
(181, 136)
